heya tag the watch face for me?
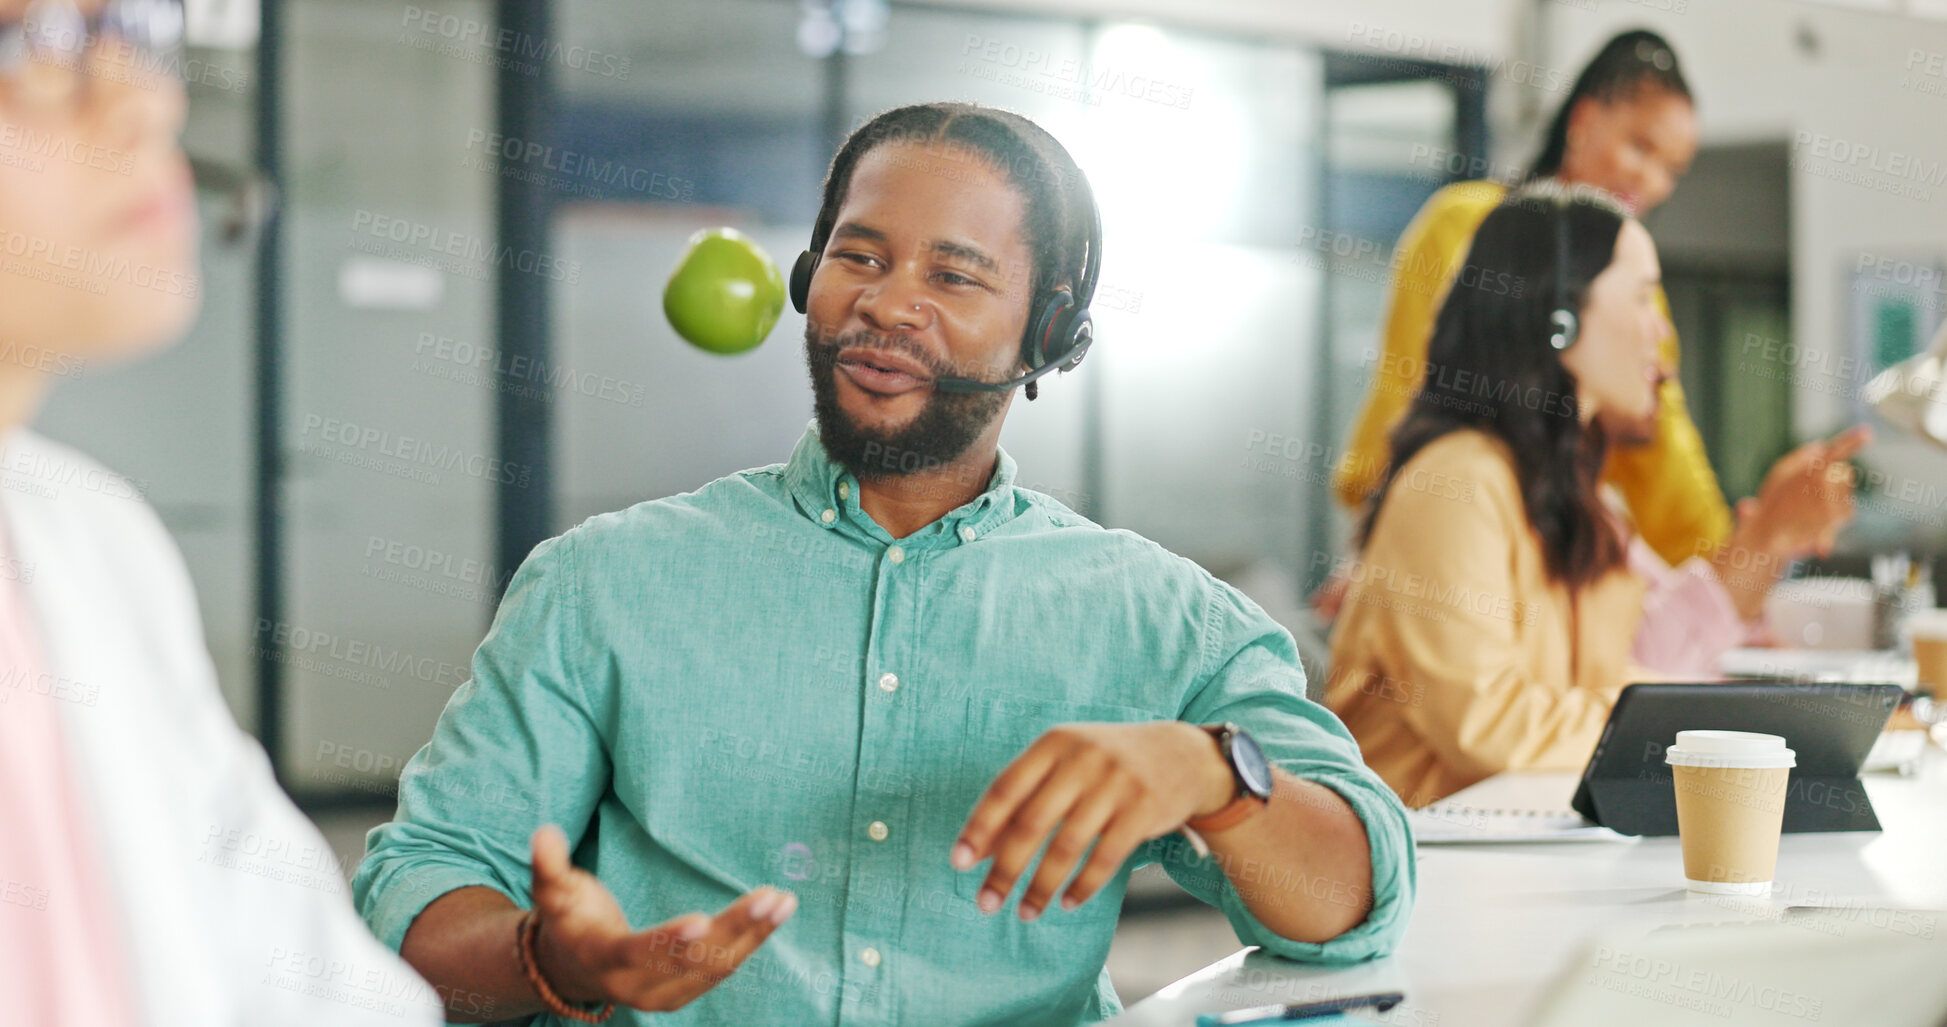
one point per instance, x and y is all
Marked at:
(1253, 770)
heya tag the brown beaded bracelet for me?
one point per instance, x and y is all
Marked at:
(524, 938)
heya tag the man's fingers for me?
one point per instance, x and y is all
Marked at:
(649, 965)
(685, 957)
(1034, 821)
(737, 947)
(762, 908)
(997, 805)
(554, 882)
(694, 933)
(708, 962)
(733, 935)
(550, 853)
(646, 948)
(1078, 830)
(1118, 840)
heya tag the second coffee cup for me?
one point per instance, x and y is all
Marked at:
(1928, 629)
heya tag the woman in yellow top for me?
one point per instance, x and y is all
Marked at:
(1490, 620)
(1628, 127)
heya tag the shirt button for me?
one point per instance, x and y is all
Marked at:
(870, 957)
(844, 489)
(877, 830)
(896, 555)
(828, 516)
(888, 682)
(966, 534)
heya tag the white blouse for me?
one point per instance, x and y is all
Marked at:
(233, 906)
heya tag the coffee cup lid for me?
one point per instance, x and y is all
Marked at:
(1927, 623)
(1744, 749)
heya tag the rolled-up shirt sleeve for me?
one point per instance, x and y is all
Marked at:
(518, 746)
(1257, 683)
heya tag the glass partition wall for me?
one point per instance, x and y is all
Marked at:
(409, 463)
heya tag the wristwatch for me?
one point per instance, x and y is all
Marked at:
(1253, 774)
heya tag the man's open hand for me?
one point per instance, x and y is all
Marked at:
(587, 952)
(1113, 785)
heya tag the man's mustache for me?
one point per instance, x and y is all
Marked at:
(865, 338)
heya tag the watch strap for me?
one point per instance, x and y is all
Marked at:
(1233, 813)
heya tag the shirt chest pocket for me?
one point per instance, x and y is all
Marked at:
(998, 727)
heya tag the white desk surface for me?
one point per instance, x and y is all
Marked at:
(1866, 666)
(1495, 923)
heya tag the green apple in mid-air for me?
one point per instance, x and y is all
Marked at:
(725, 294)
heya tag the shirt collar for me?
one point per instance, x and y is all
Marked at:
(828, 495)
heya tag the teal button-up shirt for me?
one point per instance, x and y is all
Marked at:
(754, 684)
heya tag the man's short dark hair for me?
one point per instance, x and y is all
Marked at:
(1059, 208)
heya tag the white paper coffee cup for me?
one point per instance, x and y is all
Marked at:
(1730, 788)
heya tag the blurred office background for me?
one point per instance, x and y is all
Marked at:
(365, 432)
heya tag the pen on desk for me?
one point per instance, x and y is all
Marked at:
(1300, 1011)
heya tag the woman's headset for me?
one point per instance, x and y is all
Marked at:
(1563, 324)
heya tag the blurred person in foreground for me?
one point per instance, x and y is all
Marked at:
(151, 872)
(1494, 607)
(844, 701)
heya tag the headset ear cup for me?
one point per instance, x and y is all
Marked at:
(1566, 328)
(1044, 343)
(1081, 335)
(801, 279)
(1042, 338)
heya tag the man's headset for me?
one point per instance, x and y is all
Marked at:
(1058, 335)
(1564, 325)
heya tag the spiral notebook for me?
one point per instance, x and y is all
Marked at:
(1447, 823)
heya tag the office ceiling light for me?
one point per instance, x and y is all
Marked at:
(857, 27)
